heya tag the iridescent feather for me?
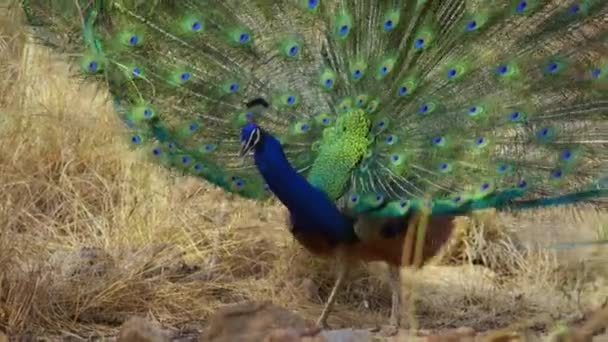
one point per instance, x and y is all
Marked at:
(472, 104)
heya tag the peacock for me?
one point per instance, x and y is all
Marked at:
(374, 122)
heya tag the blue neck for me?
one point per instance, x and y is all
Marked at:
(312, 212)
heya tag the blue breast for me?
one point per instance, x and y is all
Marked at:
(310, 208)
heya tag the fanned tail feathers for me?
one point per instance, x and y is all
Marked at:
(467, 104)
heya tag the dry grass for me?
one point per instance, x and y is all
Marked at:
(90, 233)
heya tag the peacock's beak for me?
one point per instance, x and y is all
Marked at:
(250, 143)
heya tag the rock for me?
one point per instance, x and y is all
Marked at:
(462, 334)
(349, 335)
(405, 335)
(137, 329)
(600, 338)
(502, 336)
(310, 289)
(448, 338)
(291, 335)
(264, 321)
(465, 331)
(423, 332)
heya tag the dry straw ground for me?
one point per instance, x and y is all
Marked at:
(91, 233)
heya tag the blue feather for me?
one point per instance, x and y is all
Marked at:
(311, 209)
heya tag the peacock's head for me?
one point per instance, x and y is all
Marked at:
(251, 135)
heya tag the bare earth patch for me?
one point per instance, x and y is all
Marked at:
(92, 235)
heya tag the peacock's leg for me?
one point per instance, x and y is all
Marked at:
(395, 319)
(342, 267)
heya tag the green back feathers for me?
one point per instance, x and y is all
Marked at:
(382, 104)
(341, 149)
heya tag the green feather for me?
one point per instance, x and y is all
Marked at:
(470, 104)
(342, 148)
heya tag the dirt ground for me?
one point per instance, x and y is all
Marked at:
(98, 243)
(271, 323)
(267, 322)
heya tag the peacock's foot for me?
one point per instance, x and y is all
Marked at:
(322, 324)
(389, 330)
